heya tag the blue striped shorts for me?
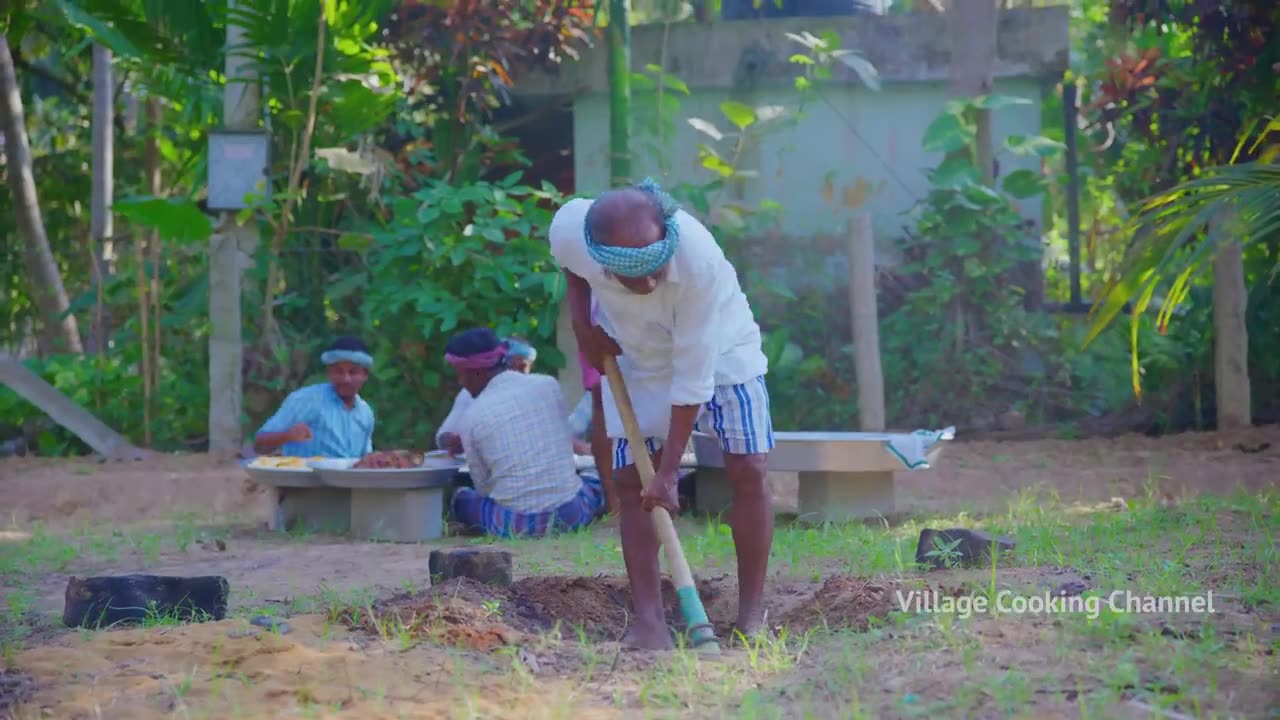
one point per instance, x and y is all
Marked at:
(738, 415)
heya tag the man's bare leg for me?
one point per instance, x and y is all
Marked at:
(752, 522)
(640, 553)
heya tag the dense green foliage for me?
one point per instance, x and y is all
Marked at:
(413, 218)
(410, 223)
(1190, 105)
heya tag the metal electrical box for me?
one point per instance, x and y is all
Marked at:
(237, 167)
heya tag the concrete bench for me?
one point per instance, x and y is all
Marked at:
(843, 476)
(310, 509)
(390, 506)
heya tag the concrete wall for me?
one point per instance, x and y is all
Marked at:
(910, 48)
(812, 168)
(851, 139)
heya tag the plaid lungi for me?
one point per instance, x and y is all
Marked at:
(480, 512)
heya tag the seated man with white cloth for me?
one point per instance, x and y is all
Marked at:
(506, 431)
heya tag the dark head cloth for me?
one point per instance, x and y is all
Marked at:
(477, 348)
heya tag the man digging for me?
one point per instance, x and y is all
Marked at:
(689, 349)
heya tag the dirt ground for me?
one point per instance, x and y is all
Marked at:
(318, 665)
(74, 495)
(968, 475)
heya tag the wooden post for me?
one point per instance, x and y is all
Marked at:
(1230, 337)
(973, 55)
(866, 324)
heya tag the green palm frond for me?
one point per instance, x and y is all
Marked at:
(1178, 232)
(195, 26)
(121, 26)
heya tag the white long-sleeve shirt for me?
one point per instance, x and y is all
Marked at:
(694, 332)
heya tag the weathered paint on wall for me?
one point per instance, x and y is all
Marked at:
(1031, 42)
(813, 167)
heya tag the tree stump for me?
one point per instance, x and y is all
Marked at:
(99, 602)
(488, 565)
(960, 547)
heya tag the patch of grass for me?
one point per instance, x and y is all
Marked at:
(912, 665)
(41, 551)
(335, 604)
(1003, 664)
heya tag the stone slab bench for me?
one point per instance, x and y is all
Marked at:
(383, 505)
(842, 476)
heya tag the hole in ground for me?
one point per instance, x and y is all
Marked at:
(467, 613)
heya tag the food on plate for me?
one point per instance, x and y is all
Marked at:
(283, 463)
(390, 460)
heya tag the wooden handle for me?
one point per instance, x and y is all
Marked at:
(680, 573)
(695, 615)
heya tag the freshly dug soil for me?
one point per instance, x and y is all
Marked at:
(468, 614)
(591, 608)
(844, 602)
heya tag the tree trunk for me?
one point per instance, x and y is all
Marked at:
(272, 339)
(142, 244)
(101, 225)
(64, 411)
(619, 36)
(973, 54)
(1231, 340)
(60, 332)
(155, 116)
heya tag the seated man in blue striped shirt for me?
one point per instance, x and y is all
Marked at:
(326, 419)
(516, 435)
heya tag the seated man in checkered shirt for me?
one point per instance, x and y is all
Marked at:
(517, 439)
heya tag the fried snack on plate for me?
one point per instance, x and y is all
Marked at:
(282, 463)
(391, 460)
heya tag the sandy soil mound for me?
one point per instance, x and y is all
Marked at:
(230, 669)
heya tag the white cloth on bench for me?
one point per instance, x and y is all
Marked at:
(913, 448)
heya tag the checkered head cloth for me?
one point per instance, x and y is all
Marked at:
(642, 261)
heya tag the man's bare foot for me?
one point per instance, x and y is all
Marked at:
(750, 622)
(648, 637)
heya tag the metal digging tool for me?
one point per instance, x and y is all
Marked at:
(701, 631)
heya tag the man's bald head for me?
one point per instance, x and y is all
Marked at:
(627, 217)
